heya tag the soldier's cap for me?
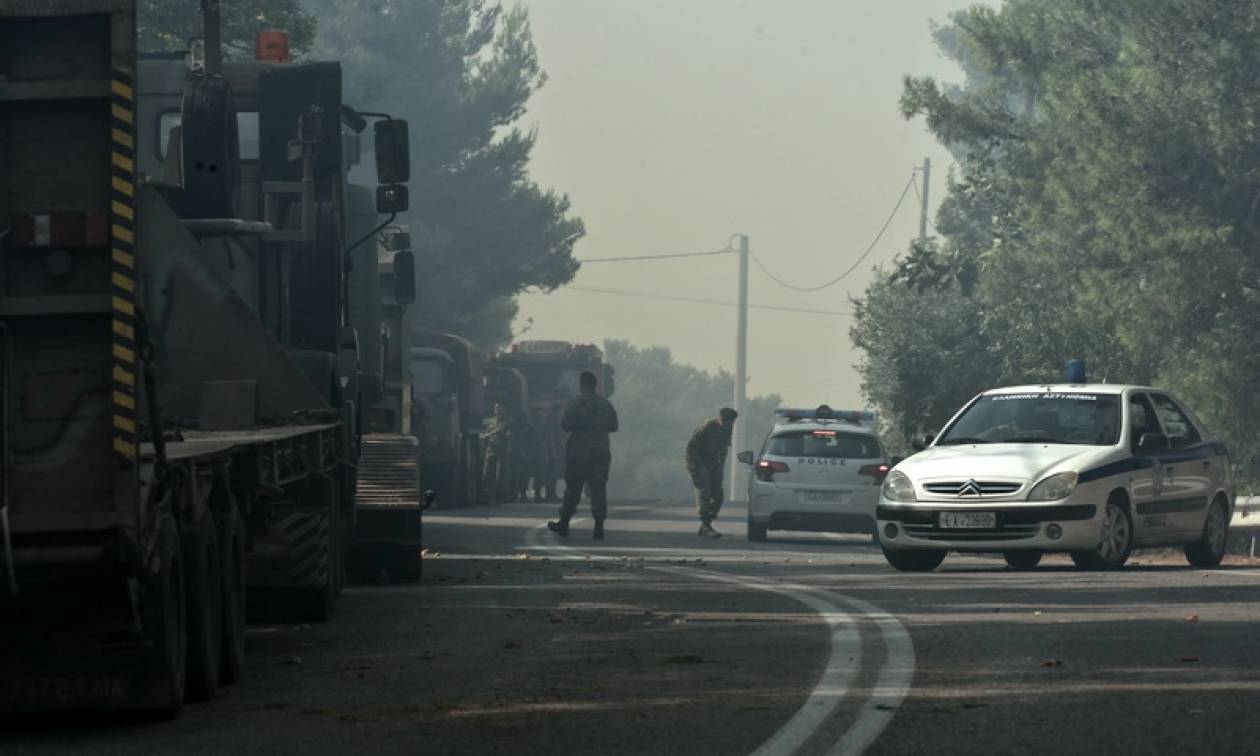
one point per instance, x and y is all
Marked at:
(726, 413)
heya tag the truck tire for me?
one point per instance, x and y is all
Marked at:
(319, 604)
(165, 627)
(204, 581)
(232, 561)
(404, 564)
(442, 481)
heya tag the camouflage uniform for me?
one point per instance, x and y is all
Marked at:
(498, 443)
(706, 456)
(587, 454)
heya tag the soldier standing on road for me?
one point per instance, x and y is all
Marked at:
(498, 443)
(587, 455)
(528, 458)
(706, 456)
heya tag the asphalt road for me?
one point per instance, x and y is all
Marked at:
(657, 642)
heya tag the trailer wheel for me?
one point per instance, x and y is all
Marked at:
(232, 560)
(319, 604)
(165, 627)
(205, 610)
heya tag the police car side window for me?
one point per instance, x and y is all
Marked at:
(1181, 432)
(1141, 419)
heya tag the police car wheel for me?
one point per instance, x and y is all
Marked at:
(1115, 541)
(1209, 550)
(1022, 560)
(915, 561)
(756, 533)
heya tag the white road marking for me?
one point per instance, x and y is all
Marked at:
(843, 664)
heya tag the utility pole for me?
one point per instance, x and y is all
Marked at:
(739, 472)
(923, 209)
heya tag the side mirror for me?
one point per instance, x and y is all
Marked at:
(404, 277)
(896, 460)
(393, 152)
(430, 498)
(392, 198)
(1151, 443)
(745, 456)
(920, 444)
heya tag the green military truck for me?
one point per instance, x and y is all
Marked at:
(179, 421)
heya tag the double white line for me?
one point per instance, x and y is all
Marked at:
(843, 664)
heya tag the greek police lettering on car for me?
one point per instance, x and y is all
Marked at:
(1091, 470)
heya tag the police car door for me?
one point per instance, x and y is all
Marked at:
(1149, 518)
(1188, 468)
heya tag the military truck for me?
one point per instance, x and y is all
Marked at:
(551, 369)
(387, 530)
(177, 421)
(447, 382)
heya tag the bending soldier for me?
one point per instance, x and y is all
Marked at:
(587, 455)
(706, 457)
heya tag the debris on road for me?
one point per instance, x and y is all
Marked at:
(1192, 618)
(1052, 663)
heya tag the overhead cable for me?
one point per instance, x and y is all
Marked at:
(724, 251)
(693, 300)
(856, 262)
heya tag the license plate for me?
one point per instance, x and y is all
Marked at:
(834, 497)
(968, 519)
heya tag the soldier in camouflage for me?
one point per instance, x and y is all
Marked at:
(706, 456)
(498, 445)
(587, 454)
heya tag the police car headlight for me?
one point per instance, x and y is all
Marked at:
(1056, 487)
(897, 487)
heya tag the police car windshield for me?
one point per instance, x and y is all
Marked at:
(1038, 418)
(824, 443)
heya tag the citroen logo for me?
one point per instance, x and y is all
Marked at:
(970, 488)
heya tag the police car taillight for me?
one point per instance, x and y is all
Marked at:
(878, 472)
(766, 468)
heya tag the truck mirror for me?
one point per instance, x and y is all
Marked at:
(391, 198)
(393, 154)
(404, 277)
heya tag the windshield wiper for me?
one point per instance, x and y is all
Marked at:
(967, 440)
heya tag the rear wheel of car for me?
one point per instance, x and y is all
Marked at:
(1209, 550)
(1022, 560)
(915, 561)
(756, 532)
(1115, 542)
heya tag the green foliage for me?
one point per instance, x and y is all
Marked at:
(462, 73)
(660, 404)
(1107, 198)
(167, 25)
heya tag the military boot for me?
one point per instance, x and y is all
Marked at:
(707, 531)
(560, 528)
(599, 530)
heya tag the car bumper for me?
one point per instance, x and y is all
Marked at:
(1049, 526)
(784, 510)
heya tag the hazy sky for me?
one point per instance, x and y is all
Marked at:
(673, 124)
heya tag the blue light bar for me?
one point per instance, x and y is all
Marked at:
(826, 413)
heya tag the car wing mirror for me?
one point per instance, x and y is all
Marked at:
(746, 457)
(920, 444)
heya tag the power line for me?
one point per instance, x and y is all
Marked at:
(694, 300)
(724, 251)
(856, 262)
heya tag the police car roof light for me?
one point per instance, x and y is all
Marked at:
(850, 416)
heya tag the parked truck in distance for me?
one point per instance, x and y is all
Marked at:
(449, 405)
(551, 369)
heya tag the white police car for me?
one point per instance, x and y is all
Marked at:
(818, 470)
(1091, 470)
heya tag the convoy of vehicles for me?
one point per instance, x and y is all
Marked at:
(818, 470)
(1094, 470)
(551, 369)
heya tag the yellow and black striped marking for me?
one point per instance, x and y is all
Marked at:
(122, 235)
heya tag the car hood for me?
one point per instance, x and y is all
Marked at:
(1030, 462)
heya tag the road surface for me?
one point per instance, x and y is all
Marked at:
(657, 642)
